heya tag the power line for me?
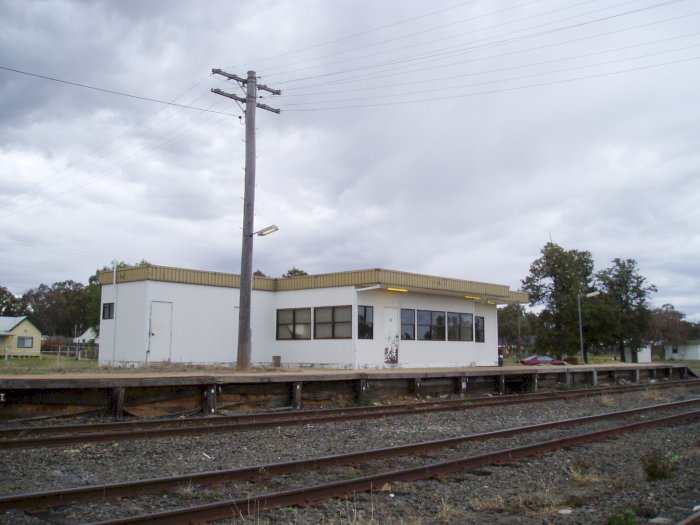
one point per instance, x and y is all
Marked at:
(103, 172)
(409, 35)
(522, 77)
(452, 51)
(83, 163)
(112, 92)
(72, 252)
(361, 33)
(510, 68)
(502, 90)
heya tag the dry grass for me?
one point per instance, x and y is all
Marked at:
(652, 394)
(68, 365)
(354, 515)
(495, 503)
(188, 489)
(583, 474)
(446, 513)
(534, 504)
(605, 400)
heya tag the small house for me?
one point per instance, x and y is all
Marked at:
(89, 336)
(686, 352)
(19, 337)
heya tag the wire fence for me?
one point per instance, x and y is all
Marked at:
(78, 352)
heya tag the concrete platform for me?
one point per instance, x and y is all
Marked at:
(134, 391)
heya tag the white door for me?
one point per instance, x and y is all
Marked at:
(391, 336)
(160, 331)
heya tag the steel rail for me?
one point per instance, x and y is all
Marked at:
(62, 497)
(692, 519)
(33, 437)
(234, 508)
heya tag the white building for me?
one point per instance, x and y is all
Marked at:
(88, 336)
(359, 319)
(643, 355)
(686, 352)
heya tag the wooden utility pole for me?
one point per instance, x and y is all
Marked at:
(246, 278)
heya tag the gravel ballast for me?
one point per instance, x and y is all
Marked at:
(588, 484)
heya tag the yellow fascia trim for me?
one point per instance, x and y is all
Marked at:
(397, 290)
(475, 297)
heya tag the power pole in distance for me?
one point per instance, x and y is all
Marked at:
(246, 279)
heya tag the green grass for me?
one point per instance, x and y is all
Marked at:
(592, 359)
(46, 365)
(694, 366)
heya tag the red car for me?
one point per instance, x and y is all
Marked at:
(542, 360)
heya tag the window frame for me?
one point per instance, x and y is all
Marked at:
(464, 334)
(365, 329)
(22, 338)
(412, 335)
(294, 325)
(479, 329)
(434, 328)
(107, 311)
(335, 323)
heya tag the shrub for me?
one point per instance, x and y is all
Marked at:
(658, 464)
(624, 517)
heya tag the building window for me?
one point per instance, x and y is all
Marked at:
(459, 327)
(294, 323)
(333, 322)
(479, 335)
(365, 322)
(108, 311)
(431, 325)
(408, 324)
(25, 342)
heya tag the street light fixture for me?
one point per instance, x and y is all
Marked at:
(266, 231)
(580, 322)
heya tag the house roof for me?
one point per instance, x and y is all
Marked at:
(8, 323)
(387, 279)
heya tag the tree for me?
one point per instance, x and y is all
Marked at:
(555, 280)
(516, 326)
(295, 272)
(258, 273)
(667, 327)
(626, 292)
(63, 308)
(11, 305)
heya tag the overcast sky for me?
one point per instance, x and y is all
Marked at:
(447, 138)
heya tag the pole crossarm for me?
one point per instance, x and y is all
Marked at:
(242, 99)
(244, 81)
(229, 95)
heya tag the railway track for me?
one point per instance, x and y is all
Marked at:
(239, 507)
(62, 435)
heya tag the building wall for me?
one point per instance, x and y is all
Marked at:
(643, 355)
(24, 329)
(431, 353)
(331, 352)
(129, 343)
(689, 352)
(204, 327)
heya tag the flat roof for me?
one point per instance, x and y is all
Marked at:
(386, 279)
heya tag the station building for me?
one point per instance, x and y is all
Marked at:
(358, 319)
